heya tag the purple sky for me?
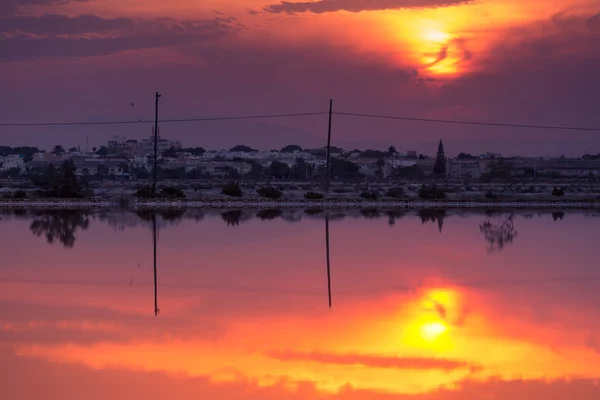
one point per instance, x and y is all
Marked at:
(503, 61)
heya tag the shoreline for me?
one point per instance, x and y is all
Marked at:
(292, 204)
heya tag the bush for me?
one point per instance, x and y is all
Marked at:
(269, 192)
(558, 192)
(341, 190)
(20, 194)
(395, 192)
(171, 192)
(144, 192)
(369, 195)
(490, 195)
(232, 189)
(313, 195)
(432, 193)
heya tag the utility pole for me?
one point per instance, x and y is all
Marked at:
(328, 146)
(155, 147)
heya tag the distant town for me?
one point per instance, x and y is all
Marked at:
(133, 159)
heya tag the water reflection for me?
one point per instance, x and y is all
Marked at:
(59, 225)
(498, 235)
(418, 315)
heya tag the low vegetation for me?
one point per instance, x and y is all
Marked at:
(269, 192)
(395, 192)
(369, 195)
(432, 193)
(313, 196)
(171, 192)
(232, 189)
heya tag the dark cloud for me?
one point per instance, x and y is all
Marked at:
(375, 361)
(53, 24)
(63, 36)
(10, 7)
(355, 6)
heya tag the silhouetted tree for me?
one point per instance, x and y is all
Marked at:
(58, 150)
(290, 148)
(392, 150)
(301, 169)
(242, 149)
(439, 167)
(279, 170)
(61, 182)
(466, 156)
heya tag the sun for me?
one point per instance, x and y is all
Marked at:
(431, 331)
(434, 35)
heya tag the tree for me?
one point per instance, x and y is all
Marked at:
(439, 167)
(466, 156)
(370, 153)
(196, 151)
(256, 170)
(279, 170)
(380, 164)
(242, 149)
(61, 182)
(411, 173)
(301, 169)
(344, 169)
(501, 170)
(392, 150)
(291, 148)
(58, 150)
(102, 151)
(73, 150)
(101, 170)
(171, 152)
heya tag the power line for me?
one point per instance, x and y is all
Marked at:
(199, 119)
(269, 116)
(451, 121)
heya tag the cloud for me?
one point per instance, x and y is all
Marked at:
(10, 7)
(90, 35)
(356, 6)
(374, 361)
(53, 24)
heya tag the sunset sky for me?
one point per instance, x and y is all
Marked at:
(514, 61)
(248, 318)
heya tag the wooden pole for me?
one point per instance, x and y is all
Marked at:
(328, 264)
(328, 147)
(155, 146)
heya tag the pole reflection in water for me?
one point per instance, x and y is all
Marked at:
(328, 265)
(154, 239)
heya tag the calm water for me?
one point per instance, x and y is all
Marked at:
(430, 305)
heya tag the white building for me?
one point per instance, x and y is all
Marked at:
(12, 161)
